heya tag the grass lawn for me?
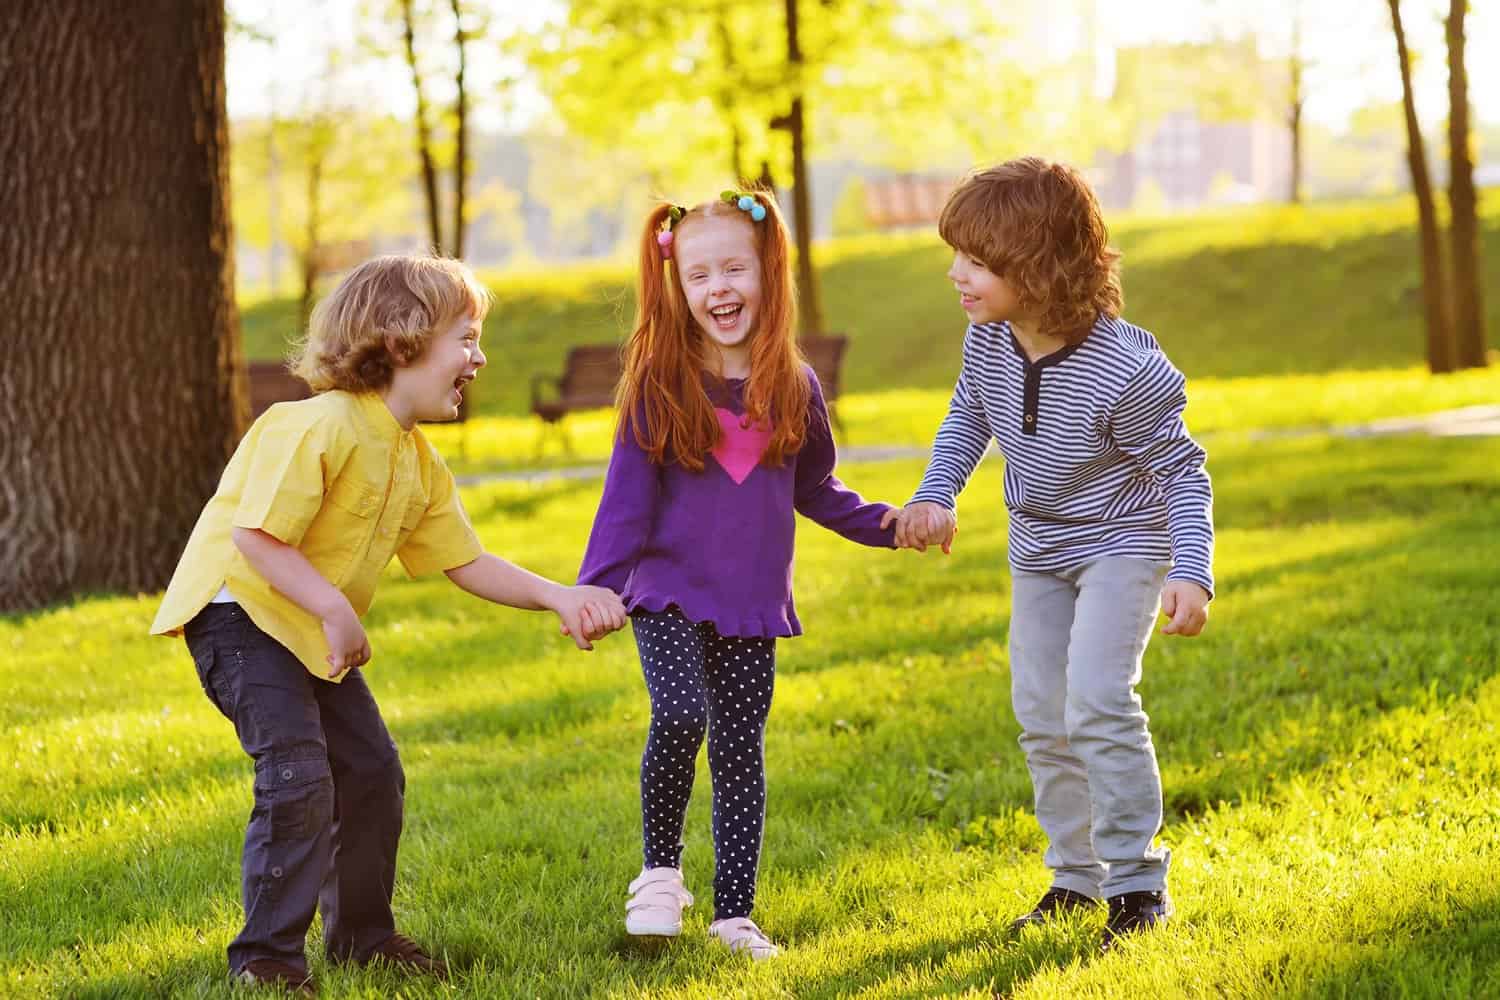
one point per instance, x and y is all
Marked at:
(1328, 747)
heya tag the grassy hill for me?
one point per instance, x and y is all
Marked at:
(1257, 291)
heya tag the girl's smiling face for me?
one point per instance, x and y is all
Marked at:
(719, 268)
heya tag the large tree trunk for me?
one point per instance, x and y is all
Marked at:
(424, 132)
(461, 137)
(1463, 204)
(1440, 349)
(809, 308)
(123, 392)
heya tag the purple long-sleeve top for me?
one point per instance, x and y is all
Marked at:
(718, 543)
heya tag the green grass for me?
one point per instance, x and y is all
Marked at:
(1328, 287)
(1328, 747)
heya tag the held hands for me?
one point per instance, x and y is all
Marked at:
(1186, 604)
(589, 613)
(921, 524)
(348, 646)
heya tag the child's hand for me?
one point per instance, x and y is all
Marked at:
(348, 647)
(921, 524)
(1186, 604)
(589, 613)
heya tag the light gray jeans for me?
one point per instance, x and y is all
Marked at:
(1076, 640)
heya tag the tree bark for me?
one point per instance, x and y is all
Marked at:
(123, 390)
(809, 308)
(424, 132)
(1463, 204)
(461, 113)
(1440, 347)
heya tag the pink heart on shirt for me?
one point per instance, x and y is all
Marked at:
(740, 448)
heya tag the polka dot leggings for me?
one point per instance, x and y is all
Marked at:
(702, 681)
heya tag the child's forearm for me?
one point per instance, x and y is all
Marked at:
(288, 570)
(494, 579)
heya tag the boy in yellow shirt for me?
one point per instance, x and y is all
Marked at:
(281, 565)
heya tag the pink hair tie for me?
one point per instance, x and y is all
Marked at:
(664, 241)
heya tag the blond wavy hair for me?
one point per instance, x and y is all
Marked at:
(1038, 225)
(380, 318)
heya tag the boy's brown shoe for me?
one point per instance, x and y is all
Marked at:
(269, 972)
(404, 953)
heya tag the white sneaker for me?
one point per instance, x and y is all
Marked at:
(742, 937)
(657, 899)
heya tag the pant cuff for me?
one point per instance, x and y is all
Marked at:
(1143, 883)
(1078, 884)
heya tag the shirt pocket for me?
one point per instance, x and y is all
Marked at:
(416, 510)
(354, 507)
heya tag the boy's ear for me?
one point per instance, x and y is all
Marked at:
(397, 352)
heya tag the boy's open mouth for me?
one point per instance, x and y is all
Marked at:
(459, 385)
(725, 317)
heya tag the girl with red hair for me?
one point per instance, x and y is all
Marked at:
(723, 434)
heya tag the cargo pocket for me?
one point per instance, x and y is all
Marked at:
(301, 798)
(211, 675)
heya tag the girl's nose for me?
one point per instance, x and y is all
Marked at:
(479, 359)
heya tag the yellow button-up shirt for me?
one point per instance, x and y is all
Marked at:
(337, 477)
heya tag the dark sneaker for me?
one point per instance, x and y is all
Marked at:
(278, 975)
(404, 953)
(1130, 912)
(1054, 903)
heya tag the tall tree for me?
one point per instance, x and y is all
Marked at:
(341, 178)
(441, 129)
(810, 312)
(423, 128)
(461, 165)
(123, 390)
(1440, 349)
(685, 85)
(1295, 96)
(1463, 203)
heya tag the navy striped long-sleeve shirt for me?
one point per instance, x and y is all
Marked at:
(1098, 461)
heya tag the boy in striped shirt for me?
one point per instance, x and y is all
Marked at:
(1111, 517)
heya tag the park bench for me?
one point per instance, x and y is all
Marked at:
(906, 200)
(591, 372)
(270, 382)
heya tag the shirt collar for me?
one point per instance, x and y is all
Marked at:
(381, 420)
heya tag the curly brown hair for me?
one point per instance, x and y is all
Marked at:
(1038, 225)
(381, 316)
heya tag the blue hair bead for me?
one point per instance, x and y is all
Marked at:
(758, 212)
(746, 202)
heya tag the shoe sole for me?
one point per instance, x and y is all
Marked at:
(653, 930)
